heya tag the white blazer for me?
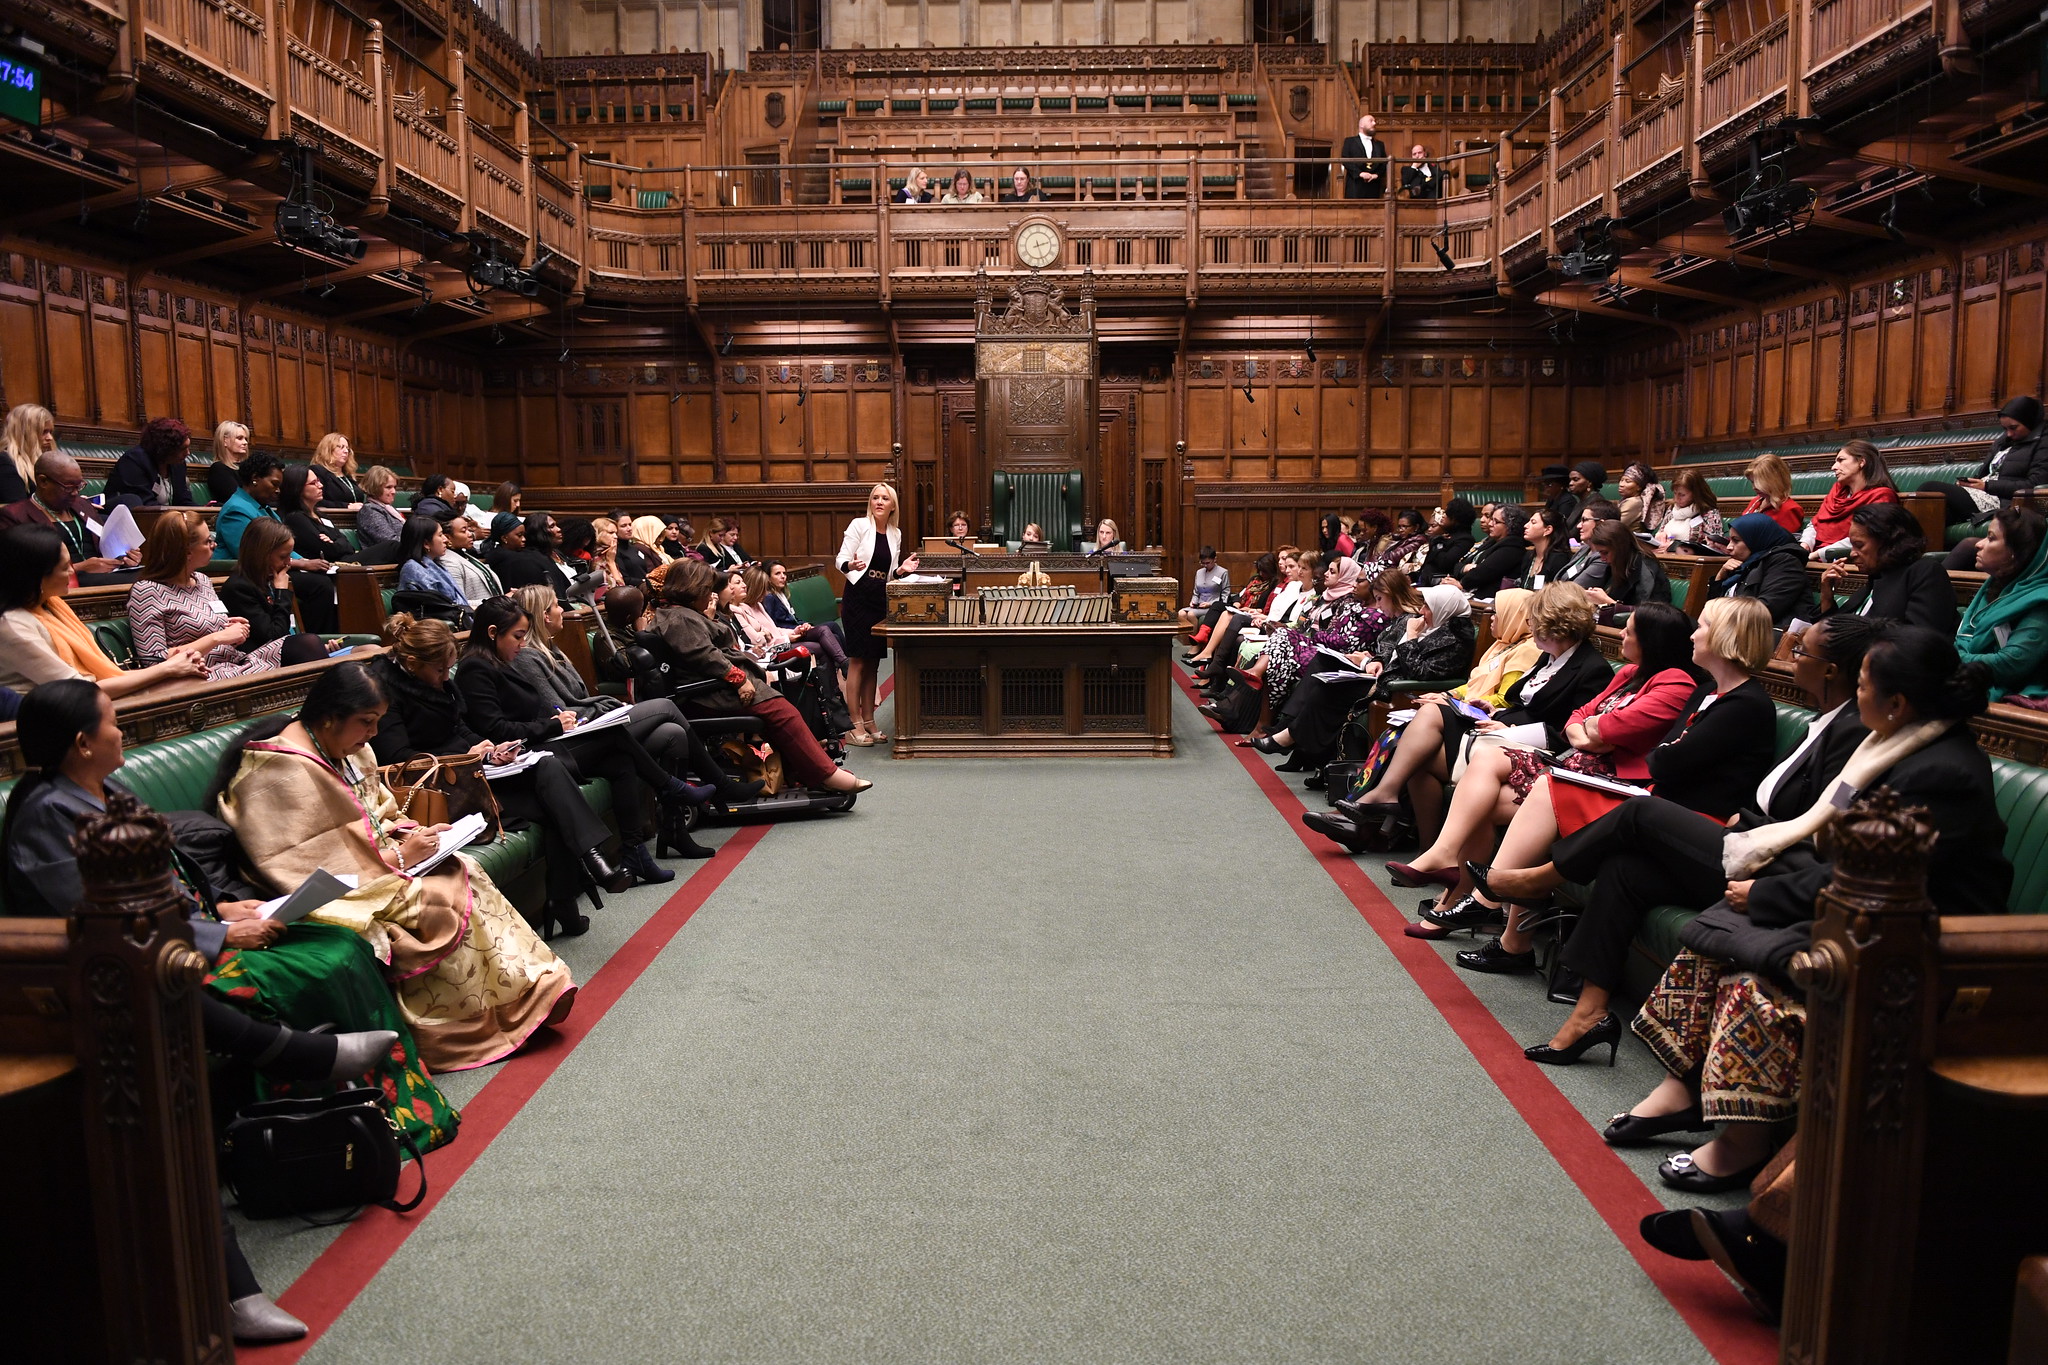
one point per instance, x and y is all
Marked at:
(859, 544)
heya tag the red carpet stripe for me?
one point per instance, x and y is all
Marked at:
(1702, 1296)
(323, 1293)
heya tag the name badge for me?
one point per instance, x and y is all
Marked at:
(1843, 795)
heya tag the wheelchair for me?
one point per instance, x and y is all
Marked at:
(655, 675)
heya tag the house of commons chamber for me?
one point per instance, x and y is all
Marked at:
(1024, 681)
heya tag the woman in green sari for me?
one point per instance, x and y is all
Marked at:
(2006, 625)
(270, 983)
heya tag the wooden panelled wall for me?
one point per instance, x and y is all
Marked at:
(1942, 337)
(106, 353)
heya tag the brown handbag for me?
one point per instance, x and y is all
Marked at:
(439, 789)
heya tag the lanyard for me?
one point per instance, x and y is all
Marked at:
(72, 531)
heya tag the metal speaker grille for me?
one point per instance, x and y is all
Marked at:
(1034, 698)
(1112, 699)
(949, 699)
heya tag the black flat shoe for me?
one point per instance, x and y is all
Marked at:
(1466, 912)
(1367, 811)
(1633, 1130)
(1315, 781)
(1671, 1232)
(1478, 875)
(1607, 1031)
(1681, 1172)
(1331, 825)
(1292, 765)
(1496, 959)
(1753, 1259)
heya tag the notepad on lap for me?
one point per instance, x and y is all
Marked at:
(1609, 785)
(463, 831)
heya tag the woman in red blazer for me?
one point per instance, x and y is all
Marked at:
(1610, 736)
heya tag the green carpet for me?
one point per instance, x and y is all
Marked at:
(1039, 1060)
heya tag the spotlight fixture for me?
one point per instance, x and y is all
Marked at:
(725, 346)
(1248, 392)
(1311, 353)
(563, 358)
(803, 392)
(1770, 200)
(1441, 245)
(490, 268)
(1889, 220)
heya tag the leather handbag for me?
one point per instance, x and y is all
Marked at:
(439, 789)
(287, 1158)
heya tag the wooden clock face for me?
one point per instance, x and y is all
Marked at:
(1038, 245)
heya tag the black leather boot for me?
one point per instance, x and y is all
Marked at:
(612, 879)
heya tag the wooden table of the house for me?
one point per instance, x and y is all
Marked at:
(1033, 691)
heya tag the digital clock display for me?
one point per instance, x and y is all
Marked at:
(21, 90)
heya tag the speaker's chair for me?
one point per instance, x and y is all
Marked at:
(1018, 498)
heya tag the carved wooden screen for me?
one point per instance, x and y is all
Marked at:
(1035, 364)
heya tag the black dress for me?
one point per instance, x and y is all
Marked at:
(866, 604)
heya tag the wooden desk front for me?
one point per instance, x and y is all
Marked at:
(1067, 691)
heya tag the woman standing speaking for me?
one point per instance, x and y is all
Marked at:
(870, 554)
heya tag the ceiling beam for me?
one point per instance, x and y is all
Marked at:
(1928, 159)
(443, 292)
(1634, 277)
(1835, 222)
(1582, 303)
(263, 236)
(151, 182)
(380, 257)
(1685, 243)
(517, 313)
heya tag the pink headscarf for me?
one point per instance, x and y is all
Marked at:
(1340, 579)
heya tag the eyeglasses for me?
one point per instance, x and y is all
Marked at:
(72, 486)
(1801, 653)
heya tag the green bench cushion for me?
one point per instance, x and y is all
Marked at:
(813, 600)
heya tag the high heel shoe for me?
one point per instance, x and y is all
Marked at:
(562, 917)
(1607, 1031)
(1405, 875)
(1331, 825)
(612, 879)
(641, 864)
(1266, 744)
(1478, 875)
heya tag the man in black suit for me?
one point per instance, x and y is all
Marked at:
(1365, 162)
(1422, 178)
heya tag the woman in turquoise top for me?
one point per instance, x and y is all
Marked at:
(2006, 625)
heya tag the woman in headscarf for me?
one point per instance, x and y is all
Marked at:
(2018, 462)
(2006, 625)
(1640, 494)
(1338, 621)
(1861, 480)
(1404, 551)
(1765, 561)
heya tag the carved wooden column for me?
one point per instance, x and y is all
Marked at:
(1869, 1036)
(148, 1129)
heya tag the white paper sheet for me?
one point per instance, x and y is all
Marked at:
(317, 890)
(462, 832)
(493, 771)
(119, 533)
(617, 716)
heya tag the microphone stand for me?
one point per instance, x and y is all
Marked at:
(963, 548)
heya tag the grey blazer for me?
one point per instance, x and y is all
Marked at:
(551, 675)
(375, 523)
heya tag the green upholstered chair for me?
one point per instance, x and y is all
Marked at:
(813, 600)
(1017, 498)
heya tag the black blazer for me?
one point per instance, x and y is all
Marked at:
(501, 705)
(1579, 679)
(1419, 186)
(1967, 874)
(1714, 764)
(315, 541)
(420, 719)
(12, 489)
(1649, 582)
(1442, 558)
(339, 490)
(1360, 154)
(524, 568)
(1499, 560)
(1777, 578)
(1817, 771)
(269, 610)
(220, 482)
(1554, 559)
(2024, 465)
(133, 482)
(1917, 592)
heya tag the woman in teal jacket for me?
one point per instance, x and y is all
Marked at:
(2006, 625)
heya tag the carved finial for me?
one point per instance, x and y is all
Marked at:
(1878, 840)
(128, 845)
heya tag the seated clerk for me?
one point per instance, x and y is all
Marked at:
(704, 648)
(1549, 551)
(462, 564)
(72, 746)
(426, 716)
(41, 638)
(1586, 568)
(422, 547)
(1767, 562)
(1106, 539)
(56, 500)
(1634, 575)
(1916, 700)
(173, 606)
(1653, 851)
(259, 588)
(1886, 545)
(151, 473)
(262, 484)
(1861, 480)
(313, 535)
(503, 706)
(1610, 736)
(1501, 557)
(1437, 745)
(1716, 756)
(2005, 628)
(1449, 538)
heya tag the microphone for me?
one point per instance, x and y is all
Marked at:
(963, 548)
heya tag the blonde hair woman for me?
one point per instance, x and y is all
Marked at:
(30, 431)
(870, 554)
(336, 462)
(230, 448)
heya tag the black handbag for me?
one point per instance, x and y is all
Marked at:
(290, 1157)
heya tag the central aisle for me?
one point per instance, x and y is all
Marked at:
(1022, 1061)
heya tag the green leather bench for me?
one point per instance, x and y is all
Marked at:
(173, 774)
